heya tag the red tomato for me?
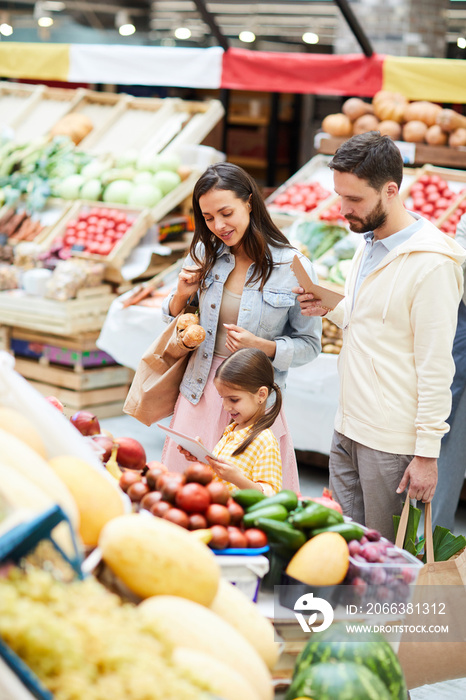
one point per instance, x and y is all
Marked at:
(93, 220)
(121, 228)
(427, 208)
(81, 226)
(91, 230)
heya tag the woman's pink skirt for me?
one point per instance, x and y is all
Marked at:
(208, 421)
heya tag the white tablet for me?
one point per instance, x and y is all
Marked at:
(188, 443)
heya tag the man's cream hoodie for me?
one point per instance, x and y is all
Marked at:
(396, 366)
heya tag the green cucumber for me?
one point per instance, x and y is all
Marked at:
(248, 497)
(274, 512)
(350, 531)
(281, 533)
(315, 515)
(286, 498)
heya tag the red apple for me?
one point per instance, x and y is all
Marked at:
(130, 454)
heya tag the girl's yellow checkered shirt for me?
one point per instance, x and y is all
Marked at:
(259, 462)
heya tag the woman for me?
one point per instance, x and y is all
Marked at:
(239, 266)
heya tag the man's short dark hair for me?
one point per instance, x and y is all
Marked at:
(371, 157)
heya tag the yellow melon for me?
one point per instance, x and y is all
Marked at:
(97, 498)
(15, 423)
(321, 561)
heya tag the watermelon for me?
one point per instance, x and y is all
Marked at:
(337, 680)
(369, 649)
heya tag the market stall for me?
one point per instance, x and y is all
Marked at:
(93, 188)
(94, 547)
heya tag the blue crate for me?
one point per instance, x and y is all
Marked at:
(17, 543)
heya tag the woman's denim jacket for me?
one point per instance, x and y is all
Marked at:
(274, 314)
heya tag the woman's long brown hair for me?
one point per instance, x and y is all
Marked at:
(260, 234)
(248, 369)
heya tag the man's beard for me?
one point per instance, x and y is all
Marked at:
(375, 220)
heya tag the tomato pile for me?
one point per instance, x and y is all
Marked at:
(96, 230)
(449, 226)
(302, 196)
(333, 213)
(194, 501)
(431, 196)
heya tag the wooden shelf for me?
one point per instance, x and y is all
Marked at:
(247, 162)
(246, 120)
(435, 155)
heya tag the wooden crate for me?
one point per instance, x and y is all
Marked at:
(53, 212)
(17, 99)
(102, 108)
(44, 112)
(5, 338)
(315, 170)
(456, 180)
(152, 125)
(132, 126)
(123, 247)
(101, 390)
(85, 313)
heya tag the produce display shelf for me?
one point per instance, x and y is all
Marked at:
(41, 114)
(315, 170)
(16, 99)
(422, 153)
(133, 125)
(85, 313)
(122, 248)
(102, 108)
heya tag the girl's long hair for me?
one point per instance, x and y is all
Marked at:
(248, 369)
(260, 234)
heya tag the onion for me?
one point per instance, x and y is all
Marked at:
(198, 473)
(153, 464)
(167, 476)
(169, 490)
(104, 443)
(127, 479)
(150, 499)
(197, 522)
(152, 475)
(137, 491)
(131, 453)
(177, 516)
(159, 509)
(86, 423)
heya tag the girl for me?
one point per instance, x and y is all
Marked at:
(239, 266)
(248, 454)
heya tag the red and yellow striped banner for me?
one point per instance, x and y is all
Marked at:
(438, 80)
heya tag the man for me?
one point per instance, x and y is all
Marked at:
(399, 319)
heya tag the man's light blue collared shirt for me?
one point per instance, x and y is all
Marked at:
(375, 251)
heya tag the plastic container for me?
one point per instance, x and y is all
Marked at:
(384, 582)
(244, 572)
(291, 589)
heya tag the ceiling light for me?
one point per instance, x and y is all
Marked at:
(124, 24)
(247, 37)
(310, 38)
(461, 42)
(6, 29)
(45, 21)
(182, 33)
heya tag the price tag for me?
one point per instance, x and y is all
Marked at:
(408, 151)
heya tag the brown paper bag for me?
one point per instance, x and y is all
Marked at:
(432, 662)
(156, 384)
